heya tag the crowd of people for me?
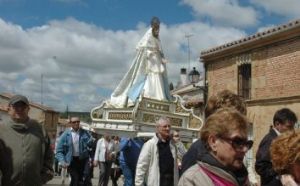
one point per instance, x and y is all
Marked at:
(216, 158)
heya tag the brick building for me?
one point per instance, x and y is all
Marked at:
(264, 68)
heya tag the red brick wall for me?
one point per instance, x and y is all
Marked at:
(275, 72)
(278, 66)
(222, 75)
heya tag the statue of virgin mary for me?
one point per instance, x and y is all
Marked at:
(147, 76)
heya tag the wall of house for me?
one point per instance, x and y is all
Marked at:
(36, 113)
(222, 75)
(275, 82)
(51, 121)
(275, 70)
(3, 116)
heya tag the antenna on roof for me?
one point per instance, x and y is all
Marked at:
(187, 36)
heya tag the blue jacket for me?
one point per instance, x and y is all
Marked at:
(65, 146)
(129, 151)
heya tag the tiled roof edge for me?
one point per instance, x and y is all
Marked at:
(250, 38)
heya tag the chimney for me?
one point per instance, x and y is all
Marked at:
(183, 77)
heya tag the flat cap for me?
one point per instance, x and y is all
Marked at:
(18, 98)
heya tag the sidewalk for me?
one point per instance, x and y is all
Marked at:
(57, 180)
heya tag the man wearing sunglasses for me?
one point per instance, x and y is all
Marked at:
(25, 155)
(284, 120)
(73, 152)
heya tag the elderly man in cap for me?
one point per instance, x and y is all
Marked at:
(25, 155)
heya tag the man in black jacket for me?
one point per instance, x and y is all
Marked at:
(283, 120)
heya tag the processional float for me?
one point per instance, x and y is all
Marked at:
(140, 119)
(142, 97)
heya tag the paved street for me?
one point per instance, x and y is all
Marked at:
(57, 180)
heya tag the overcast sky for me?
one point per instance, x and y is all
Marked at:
(83, 48)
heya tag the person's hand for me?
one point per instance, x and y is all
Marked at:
(179, 166)
(63, 165)
(287, 180)
(95, 163)
(91, 163)
(111, 156)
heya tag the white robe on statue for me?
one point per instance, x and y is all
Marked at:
(147, 75)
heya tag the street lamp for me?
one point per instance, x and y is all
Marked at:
(194, 77)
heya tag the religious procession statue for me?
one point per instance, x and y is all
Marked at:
(147, 75)
(143, 96)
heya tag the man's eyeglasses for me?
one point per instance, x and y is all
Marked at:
(238, 143)
(75, 121)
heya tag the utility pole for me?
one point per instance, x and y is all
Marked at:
(42, 89)
(187, 36)
(67, 111)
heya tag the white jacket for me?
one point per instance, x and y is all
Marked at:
(147, 168)
(101, 150)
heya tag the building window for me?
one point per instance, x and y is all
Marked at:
(244, 80)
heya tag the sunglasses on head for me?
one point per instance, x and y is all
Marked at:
(238, 142)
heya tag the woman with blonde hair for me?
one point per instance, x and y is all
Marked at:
(225, 138)
(285, 156)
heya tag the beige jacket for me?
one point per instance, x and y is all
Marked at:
(196, 176)
(147, 168)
